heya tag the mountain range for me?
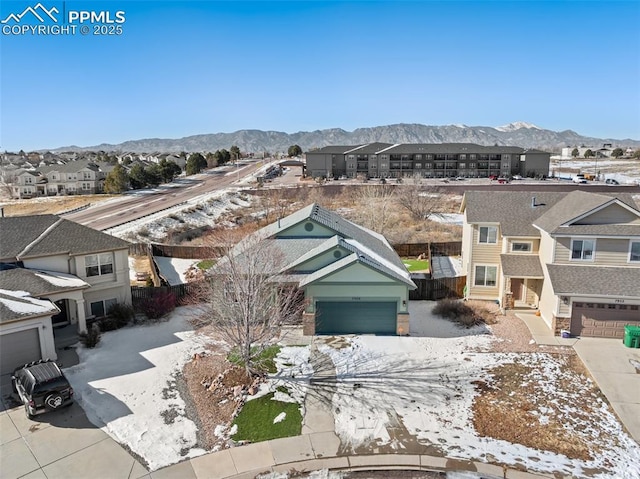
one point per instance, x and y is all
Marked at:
(524, 135)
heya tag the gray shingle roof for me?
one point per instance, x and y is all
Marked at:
(521, 265)
(578, 203)
(333, 149)
(14, 305)
(43, 235)
(368, 149)
(594, 280)
(39, 283)
(451, 148)
(512, 209)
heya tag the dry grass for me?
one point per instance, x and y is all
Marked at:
(504, 411)
(50, 205)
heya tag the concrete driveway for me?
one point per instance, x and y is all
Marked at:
(60, 444)
(614, 367)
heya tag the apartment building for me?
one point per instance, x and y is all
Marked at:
(445, 160)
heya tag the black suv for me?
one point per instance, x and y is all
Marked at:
(42, 387)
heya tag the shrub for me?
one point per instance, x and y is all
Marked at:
(91, 338)
(467, 314)
(161, 303)
(108, 324)
(121, 313)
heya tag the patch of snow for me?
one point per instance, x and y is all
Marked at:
(126, 385)
(20, 302)
(173, 270)
(61, 279)
(448, 218)
(280, 417)
(426, 385)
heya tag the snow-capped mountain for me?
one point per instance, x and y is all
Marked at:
(524, 135)
(517, 125)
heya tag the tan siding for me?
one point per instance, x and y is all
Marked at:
(532, 285)
(485, 253)
(611, 215)
(609, 251)
(564, 310)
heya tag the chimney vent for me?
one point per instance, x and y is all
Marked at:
(533, 202)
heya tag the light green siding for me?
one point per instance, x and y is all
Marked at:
(322, 260)
(299, 231)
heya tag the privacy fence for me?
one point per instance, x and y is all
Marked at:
(428, 288)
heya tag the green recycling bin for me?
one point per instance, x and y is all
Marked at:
(632, 336)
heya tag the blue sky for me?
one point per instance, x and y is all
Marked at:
(182, 68)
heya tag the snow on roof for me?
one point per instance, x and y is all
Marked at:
(21, 303)
(61, 279)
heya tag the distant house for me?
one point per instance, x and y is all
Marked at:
(54, 272)
(352, 279)
(573, 256)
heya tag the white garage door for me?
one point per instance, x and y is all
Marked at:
(19, 348)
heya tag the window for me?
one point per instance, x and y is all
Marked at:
(485, 275)
(417, 157)
(488, 235)
(583, 249)
(462, 166)
(521, 247)
(418, 166)
(634, 251)
(462, 157)
(506, 157)
(99, 264)
(383, 166)
(505, 166)
(472, 165)
(101, 308)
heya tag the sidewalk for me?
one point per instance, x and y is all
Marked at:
(614, 367)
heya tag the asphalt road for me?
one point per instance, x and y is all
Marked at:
(135, 206)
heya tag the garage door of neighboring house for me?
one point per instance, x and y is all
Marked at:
(602, 320)
(356, 317)
(19, 348)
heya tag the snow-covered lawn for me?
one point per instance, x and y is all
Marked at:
(126, 385)
(390, 393)
(174, 269)
(424, 387)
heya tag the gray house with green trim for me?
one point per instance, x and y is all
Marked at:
(353, 280)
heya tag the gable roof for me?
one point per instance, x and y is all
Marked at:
(367, 247)
(513, 210)
(577, 204)
(24, 237)
(16, 305)
(517, 216)
(39, 283)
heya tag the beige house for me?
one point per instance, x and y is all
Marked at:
(54, 273)
(574, 256)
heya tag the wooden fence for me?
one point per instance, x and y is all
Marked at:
(182, 292)
(450, 248)
(173, 251)
(435, 289)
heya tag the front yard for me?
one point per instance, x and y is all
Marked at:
(480, 393)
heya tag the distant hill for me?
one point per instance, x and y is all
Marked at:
(520, 134)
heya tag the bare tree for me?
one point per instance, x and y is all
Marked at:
(8, 179)
(418, 202)
(375, 206)
(249, 297)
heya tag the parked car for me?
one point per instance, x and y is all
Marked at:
(42, 387)
(611, 181)
(516, 177)
(493, 177)
(502, 180)
(580, 179)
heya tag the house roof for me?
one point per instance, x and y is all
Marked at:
(594, 280)
(514, 212)
(453, 148)
(579, 203)
(512, 209)
(39, 283)
(44, 235)
(367, 247)
(332, 149)
(16, 305)
(521, 265)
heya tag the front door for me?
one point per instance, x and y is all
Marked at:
(516, 288)
(62, 318)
